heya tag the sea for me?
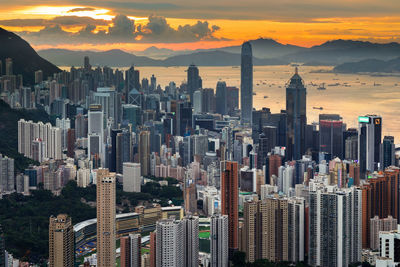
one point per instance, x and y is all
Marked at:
(349, 95)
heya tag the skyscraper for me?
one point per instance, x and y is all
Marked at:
(388, 152)
(61, 241)
(331, 135)
(193, 80)
(169, 243)
(105, 218)
(369, 142)
(191, 241)
(144, 152)
(219, 240)
(2, 247)
(246, 83)
(296, 108)
(230, 201)
(221, 96)
(131, 177)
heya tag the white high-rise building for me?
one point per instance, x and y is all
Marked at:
(219, 240)
(131, 177)
(389, 245)
(29, 131)
(169, 243)
(191, 239)
(96, 120)
(64, 125)
(197, 95)
(335, 226)
(83, 177)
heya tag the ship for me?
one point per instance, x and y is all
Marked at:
(320, 108)
(321, 87)
(265, 96)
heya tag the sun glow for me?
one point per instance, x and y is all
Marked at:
(79, 11)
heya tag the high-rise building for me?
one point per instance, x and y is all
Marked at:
(377, 225)
(105, 218)
(221, 97)
(369, 142)
(110, 101)
(131, 177)
(131, 250)
(246, 83)
(335, 226)
(219, 240)
(197, 102)
(331, 135)
(193, 80)
(144, 152)
(7, 183)
(169, 243)
(96, 120)
(388, 152)
(389, 245)
(296, 108)
(191, 241)
(232, 99)
(230, 201)
(9, 66)
(61, 241)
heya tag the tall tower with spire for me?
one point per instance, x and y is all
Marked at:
(246, 83)
(296, 108)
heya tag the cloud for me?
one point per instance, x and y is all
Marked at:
(60, 20)
(158, 30)
(121, 29)
(80, 9)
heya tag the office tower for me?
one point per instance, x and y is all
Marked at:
(131, 114)
(7, 183)
(335, 227)
(351, 147)
(219, 240)
(380, 197)
(61, 241)
(390, 245)
(153, 83)
(197, 102)
(369, 142)
(113, 162)
(183, 118)
(2, 244)
(105, 218)
(388, 152)
(193, 80)
(81, 126)
(191, 241)
(232, 99)
(110, 101)
(246, 83)
(131, 177)
(132, 80)
(169, 243)
(86, 64)
(296, 108)
(354, 172)
(208, 100)
(131, 250)
(38, 76)
(331, 134)
(144, 152)
(377, 225)
(94, 145)
(9, 66)
(229, 201)
(95, 120)
(221, 97)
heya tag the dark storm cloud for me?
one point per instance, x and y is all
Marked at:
(79, 9)
(123, 29)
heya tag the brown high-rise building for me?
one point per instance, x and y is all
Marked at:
(354, 172)
(273, 229)
(190, 198)
(275, 161)
(230, 201)
(130, 250)
(144, 152)
(61, 241)
(380, 197)
(70, 143)
(105, 218)
(153, 253)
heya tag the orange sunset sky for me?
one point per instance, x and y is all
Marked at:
(178, 25)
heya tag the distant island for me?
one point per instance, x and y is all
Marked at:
(370, 66)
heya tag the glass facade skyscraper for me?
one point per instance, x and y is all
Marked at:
(246, 85)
